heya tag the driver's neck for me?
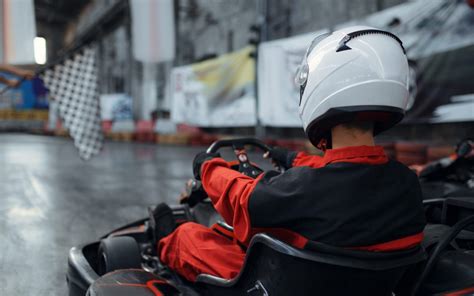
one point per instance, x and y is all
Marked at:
(344, 137)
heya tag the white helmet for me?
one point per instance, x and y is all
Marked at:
(356, 73)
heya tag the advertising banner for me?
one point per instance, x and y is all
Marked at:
(439, 38)
(215, 93)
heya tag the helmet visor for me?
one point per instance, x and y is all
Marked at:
(303, 69)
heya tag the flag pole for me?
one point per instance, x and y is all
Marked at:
(8, 87)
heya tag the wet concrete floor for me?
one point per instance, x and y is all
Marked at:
(50, 200)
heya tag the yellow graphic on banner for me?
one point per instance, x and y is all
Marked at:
(227, 77)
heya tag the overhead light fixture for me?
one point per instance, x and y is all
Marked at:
(40, 50)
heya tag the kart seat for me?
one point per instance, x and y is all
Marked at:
(273, 267)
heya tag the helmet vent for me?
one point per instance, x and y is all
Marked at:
(343, 47)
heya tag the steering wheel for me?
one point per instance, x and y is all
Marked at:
(238, 145)
(194, 192)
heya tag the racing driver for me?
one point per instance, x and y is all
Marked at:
(353, 86)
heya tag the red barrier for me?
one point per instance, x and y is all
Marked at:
(144, 131)
(410, 153)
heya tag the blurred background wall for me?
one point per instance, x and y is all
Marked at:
(207, 29)
(204, 29)
(213, 27)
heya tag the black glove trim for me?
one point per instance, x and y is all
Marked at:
(199, 160)
(283, 157)
(290, 159)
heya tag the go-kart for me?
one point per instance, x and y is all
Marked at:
(449, 177)
(124, 262)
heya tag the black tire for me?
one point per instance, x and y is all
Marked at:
(120, 252)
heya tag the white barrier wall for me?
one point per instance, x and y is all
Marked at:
(278, 95)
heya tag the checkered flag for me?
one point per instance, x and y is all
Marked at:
(73, 84)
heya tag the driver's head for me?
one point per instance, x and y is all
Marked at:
(354, 79)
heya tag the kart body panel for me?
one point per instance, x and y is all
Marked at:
(275, 268)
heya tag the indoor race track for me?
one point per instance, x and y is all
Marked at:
(51, 200)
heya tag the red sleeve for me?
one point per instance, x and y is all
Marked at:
(229, 191)
(303, 159)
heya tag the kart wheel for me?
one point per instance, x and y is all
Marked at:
(118, 253)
